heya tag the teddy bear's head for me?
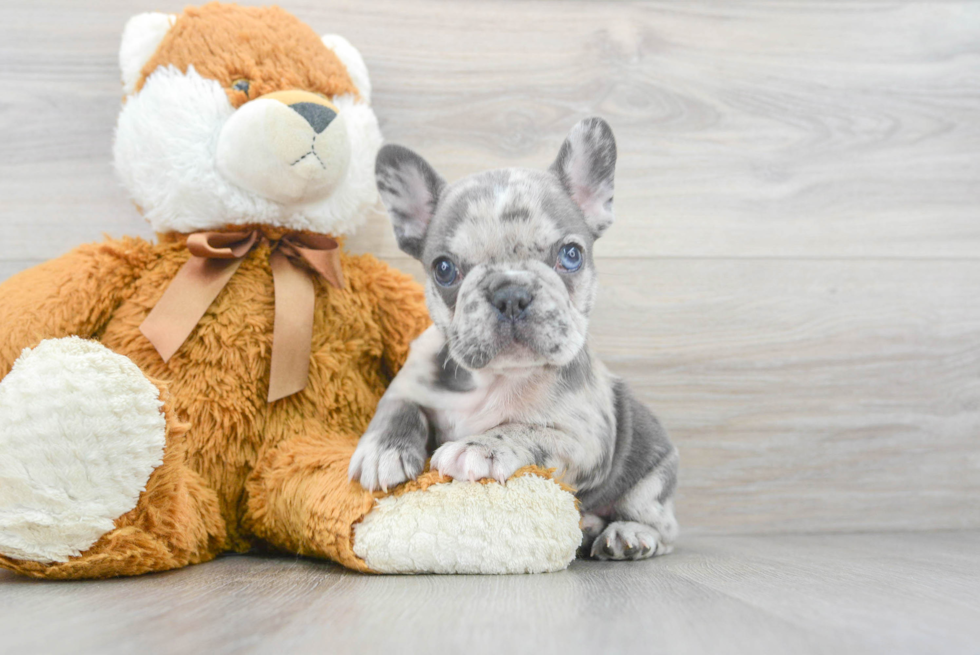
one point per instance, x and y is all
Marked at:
(242, 116)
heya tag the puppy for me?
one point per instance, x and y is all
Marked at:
(505, 377)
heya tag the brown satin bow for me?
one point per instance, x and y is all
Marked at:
(215, 256)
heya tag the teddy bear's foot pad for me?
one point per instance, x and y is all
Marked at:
(529, 525)
(81, 429)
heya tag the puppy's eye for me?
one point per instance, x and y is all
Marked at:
(240, 85)
(444, 271)
(569, 258)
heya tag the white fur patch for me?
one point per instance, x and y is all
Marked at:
(165, 155)
(81, 429)
(141, 38)
(529, 525)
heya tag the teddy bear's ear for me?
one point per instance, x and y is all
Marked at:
(353, 61)
(141, 36)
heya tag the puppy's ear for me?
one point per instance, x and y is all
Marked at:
(586, 165)
(410, 189)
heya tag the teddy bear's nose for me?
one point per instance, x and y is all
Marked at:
(318, 116)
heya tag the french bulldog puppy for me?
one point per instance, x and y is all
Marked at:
(505, 376)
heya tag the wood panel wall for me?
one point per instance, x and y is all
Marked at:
(793, 280)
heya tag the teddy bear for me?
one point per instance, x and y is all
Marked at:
(164, 402)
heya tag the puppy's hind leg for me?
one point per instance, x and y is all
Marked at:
(643, 522)
(592, 526)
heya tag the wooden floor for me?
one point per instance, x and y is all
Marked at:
(869, 593)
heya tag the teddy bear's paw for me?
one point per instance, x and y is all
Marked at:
(529, 525)
(81, 429)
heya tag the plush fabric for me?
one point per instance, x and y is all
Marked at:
(114, 462)
(82, 432)
(168, 131)
(525, 526)
(277, 52)
(276, 471)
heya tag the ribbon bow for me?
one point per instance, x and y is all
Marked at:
(215, 256)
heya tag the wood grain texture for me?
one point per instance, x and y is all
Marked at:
(745, 129)
(870, 593)
(804, 395)
(792, 279)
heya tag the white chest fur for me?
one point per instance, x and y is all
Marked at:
(487, 399)
(517, 396)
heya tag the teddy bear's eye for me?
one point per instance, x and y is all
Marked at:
(240, 85)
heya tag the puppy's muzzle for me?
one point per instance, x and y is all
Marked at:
(511, 301)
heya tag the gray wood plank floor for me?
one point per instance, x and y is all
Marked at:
(801, 594)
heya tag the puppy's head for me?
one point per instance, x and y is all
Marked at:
(508, 253)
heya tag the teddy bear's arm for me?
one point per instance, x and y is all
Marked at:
(300, 500)
(399, 305)
(74, 294)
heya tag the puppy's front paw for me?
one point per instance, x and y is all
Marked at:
(628, 540)
(474, 460)
(382, 464)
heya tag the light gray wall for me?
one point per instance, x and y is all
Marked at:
(793, 278)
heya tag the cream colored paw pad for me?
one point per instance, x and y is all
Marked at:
(529, 525)
(81, 429)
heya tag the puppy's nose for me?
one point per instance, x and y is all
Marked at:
(318, 116)
(511, 300)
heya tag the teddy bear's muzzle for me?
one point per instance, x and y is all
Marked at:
(289, 146)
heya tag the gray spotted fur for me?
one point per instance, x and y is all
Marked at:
(494, 391)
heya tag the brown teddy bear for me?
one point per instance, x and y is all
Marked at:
(163, 403)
